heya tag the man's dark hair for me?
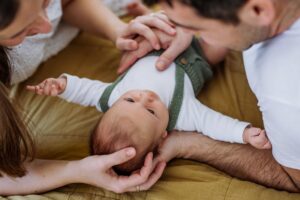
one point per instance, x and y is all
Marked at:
(8, 12)
(224, 10)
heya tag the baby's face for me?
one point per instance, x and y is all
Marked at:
(145, 107)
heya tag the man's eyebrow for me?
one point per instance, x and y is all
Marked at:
(184, 26)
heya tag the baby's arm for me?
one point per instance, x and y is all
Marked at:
(81, 91)
(224, 128)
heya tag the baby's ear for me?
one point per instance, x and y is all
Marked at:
(165, 134)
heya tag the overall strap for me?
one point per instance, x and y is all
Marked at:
(175, 105)
(195, 66)
(103, 102)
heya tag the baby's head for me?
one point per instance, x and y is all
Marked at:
(138, 119)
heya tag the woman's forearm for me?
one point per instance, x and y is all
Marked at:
(92, 16)
(42, 175)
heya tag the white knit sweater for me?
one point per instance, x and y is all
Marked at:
(34, 50)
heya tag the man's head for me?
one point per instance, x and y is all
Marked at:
(138, 119)
(235, 24)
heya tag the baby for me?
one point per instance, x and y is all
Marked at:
(143, 104)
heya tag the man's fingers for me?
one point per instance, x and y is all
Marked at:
(129, 58)
(119, 157)
(175, 49)
(165, 59)
(126, 61)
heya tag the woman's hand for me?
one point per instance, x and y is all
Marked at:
(167, 151)
(142, 26)
(97, 171)
(174, 46)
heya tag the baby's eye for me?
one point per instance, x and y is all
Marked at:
(151, 111)
(129, 100)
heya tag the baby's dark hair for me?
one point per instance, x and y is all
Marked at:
(115, 133)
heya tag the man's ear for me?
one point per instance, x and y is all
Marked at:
(258, 12)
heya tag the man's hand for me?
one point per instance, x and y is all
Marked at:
(174, 46)
(97, 171)
(170, 148)
(50, 86)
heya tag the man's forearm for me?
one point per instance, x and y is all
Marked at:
(42, 175)
(92, 16)
(238, 160)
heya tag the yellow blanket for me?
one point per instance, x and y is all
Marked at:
(61, 130)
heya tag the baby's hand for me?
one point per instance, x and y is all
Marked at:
(257, 138)
(50, 86)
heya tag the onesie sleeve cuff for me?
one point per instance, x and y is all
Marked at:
(70, 86)
(238, 132)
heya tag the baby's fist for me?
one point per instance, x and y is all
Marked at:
(257, 138)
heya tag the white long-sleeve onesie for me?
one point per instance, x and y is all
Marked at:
(143, 75)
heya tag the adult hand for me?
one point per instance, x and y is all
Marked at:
(174, 46)
(97, 171)
(171, 147)
(142, 26)
(166, 152)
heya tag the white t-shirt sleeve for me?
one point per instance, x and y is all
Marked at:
(200, 118)
(83, 91)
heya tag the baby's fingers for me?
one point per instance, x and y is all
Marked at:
(268, 145)
(261, 141)
(31, 88)
(37, 89)
(266, 141)
(54, 90)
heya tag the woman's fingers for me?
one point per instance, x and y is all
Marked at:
(136, 28)
(142, 26)
(154, 176)
(126, 44)
(119, 157)
(128, 183)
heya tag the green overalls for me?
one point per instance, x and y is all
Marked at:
(190, 62)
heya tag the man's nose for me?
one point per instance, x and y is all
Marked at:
(41, 25)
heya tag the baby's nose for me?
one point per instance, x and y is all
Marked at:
(150, 96)
(145, 98)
